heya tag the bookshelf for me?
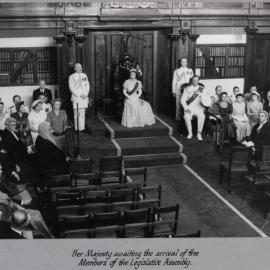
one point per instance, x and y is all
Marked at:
(220, 61)
(27, 66)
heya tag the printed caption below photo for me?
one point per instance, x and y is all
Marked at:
(135, 259)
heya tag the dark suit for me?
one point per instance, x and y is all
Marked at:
(7, 233)
(16, 150)
(260, 138)
(49, 156)
(47, 93)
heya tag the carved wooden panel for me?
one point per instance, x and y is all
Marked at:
(104, 51)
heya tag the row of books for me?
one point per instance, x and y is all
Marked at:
(236, 61)
(4, 79)
(213, 51)
(199, 62)
(4, 67)
(237, 51)
(44, 66)
(49, 77)
(218, 61)
(44, 55)
(18, 56)
(4, 56)
(235, 72)
(222, 71)
(28, 68)
(26, 78)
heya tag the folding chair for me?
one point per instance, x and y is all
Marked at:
(264, 163)
(188, 235)
(80, 233)
(127, 194)
(106, 232)
(68, 198)
(122, 206)
(136, 172)
(137, 216)
(96, 196)
(60, 180)
(76, 222)
(80, 165)
(108, 218)
(110, 169)
(84, 179)
(165, 220)
(238, 164)
(149, 193)
(138, 230)
(258, 179)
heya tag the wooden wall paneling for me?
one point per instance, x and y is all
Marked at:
(166, 102)
(133, 45)
(147, 65)
(155, 97)
(100, 65)
(108, 58)
(192, 50)
(267, 67)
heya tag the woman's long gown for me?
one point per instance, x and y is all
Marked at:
(137, 112)
(241, 120)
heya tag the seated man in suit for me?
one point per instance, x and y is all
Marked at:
(15, 148)
(42, 90)
(29, 224)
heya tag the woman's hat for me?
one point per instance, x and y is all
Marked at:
(35, 103)
(18, 105)
(58, 99)
(133, 70)
(255, 93)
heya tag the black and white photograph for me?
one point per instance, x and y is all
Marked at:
(134, 119)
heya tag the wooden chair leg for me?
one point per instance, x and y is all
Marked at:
(221, 175)
(229, 182)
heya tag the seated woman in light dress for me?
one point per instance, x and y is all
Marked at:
(240, 118)
(35, 117)
(254, 106)
(137, 112)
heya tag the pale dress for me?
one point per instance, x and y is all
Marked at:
(253, 109)
(137, 112)
(34, 119)
(241, 120)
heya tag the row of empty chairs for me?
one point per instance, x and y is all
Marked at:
(162, 221)
(108, 195)
(108, 203)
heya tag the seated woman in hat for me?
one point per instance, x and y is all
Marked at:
(59, 123)
(22, 126)
(137, 112)
(35, 117)
(254, 106)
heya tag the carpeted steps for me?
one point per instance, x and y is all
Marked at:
(146, 147)
(119, 131)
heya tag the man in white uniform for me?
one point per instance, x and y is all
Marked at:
(79, 87)
(181, 76)
(191, 102)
